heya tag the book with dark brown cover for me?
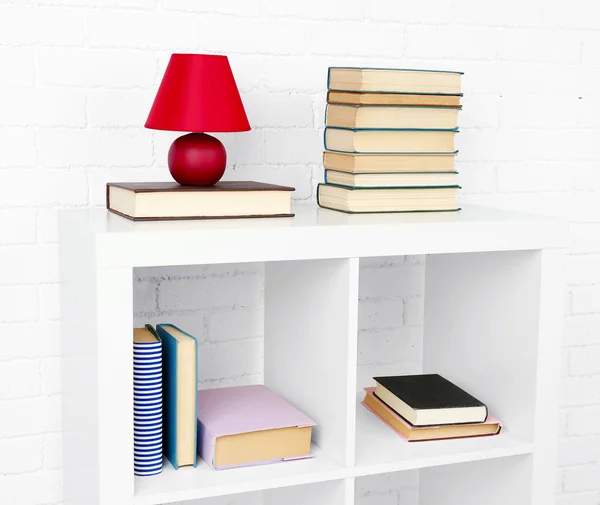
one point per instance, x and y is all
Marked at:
(166, 187)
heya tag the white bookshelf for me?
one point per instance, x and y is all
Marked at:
(493, 315)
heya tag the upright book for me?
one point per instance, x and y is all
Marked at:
(429, 400)
(250, 425)
(180, 383)
(147, 402)
(151, 201)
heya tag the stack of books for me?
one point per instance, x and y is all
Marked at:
(389, 140)
(228, 427)
(429, 407)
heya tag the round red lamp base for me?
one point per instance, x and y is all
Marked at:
(197, 159)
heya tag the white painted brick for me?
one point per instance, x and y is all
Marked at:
(477, 177)
(61, 187)
(244, 148)
(249, 35)
(315, 9)
(552, 46)
(21, 25)
(229, 359)
(53, 451)
(42, 488)
(550, 204)
(293, 146)
(236, 324)
(578, 391)
(50, 301)
(23, 454)
(390, 498)
(297, 73)
(20, 63)
(246, 70)
(414, 311)
(542, 112)
(411, 12)
(534, 176)
(119, 107)
(390, 346)
(28, 264)
(111, 68)
(144, 296)
(278, 109)
(462, 43)
(582, 478)
(386, 481)
(510, 14)
(585, 299)
(138, 4)
(584, 421)
(583, 269)
(590, 50)
(585, 237)
(47, 224)
(194, 323)
(578, 450)
(28, 340)
(237, 7)
(584, 361)
(17, 106)
(586, 177)
(18, 303)
(98, 177)
(17, 226)
(585, 207)
(575, 14)
(479, 111)
(399, 280)
(582, 330)
(64, 148)
(19, 379)
(374, 313)
(29, 416)
(579, 499)
(356, 39)
(365, 373)
(18, 148)
(153, 30)
(51, 376)
(57, 107)
(193, 294)
(297, 177)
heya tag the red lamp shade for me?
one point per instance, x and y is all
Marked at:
(198, 94)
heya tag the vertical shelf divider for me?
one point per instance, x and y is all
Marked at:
(311, 310)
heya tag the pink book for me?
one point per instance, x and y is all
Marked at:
(250, 425)
(412, 433)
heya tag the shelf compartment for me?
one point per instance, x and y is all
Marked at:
(202, 482)
(380, 450)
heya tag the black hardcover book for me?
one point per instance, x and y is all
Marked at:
(429, 400)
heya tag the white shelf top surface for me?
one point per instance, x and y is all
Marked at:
(380, 450)
(190, 483)
(314, 233)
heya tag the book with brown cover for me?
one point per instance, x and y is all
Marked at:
(153, 201)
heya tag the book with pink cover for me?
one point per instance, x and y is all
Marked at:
(410, 433)
(240, 410)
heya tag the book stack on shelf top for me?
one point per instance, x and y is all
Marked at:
(389, 140)
(428, 407)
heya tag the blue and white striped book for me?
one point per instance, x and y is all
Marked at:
(147, 402)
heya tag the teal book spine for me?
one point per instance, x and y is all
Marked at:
(170, 392)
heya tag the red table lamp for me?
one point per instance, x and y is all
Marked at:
(198, 94)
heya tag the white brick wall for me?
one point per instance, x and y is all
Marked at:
(77, 80)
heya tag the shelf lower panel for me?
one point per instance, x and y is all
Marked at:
(190, 483)
(380, 450)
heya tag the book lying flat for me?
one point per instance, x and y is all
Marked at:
(150, 201)
(250, 425)
(386, 116)
(373, 200)
(429, 400)
(381, 140)
(390, 98)
(389, 163)
(413, 433)
(400, 179)
(180, 379)
(397, 80)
